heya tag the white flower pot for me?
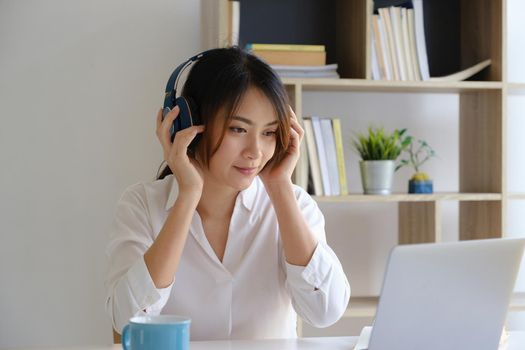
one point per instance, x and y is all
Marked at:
(377, 176)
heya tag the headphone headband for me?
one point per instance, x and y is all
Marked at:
(171, 86)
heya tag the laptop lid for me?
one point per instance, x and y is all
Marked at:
(446, 295)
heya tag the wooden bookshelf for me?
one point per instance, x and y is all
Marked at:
(364, 85)
(405, 197)
(479, 33)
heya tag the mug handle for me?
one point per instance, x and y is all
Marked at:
(126, 342)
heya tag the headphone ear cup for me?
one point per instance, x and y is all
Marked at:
(184, 116)
(188, 116)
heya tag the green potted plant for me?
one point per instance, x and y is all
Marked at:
(378, 151)
(420, 182)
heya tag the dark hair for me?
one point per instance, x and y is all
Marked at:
(217, 83)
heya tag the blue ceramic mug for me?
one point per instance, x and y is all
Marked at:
(160, 332)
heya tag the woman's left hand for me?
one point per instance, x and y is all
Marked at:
(281, 173)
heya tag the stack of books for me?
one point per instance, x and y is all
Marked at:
(399, 50)
(326, 161)
(295, 61)
(398, 44)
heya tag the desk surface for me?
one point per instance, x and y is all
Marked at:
(332, 343)
(516, 341)
(321, 343)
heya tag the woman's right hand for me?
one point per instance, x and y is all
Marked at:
(186, 170)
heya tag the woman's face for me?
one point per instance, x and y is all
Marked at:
(248, 144)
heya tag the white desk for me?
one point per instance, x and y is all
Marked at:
(321, 343)
(331, 343)
(516, 341)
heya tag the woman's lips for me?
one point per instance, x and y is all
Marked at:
(246, 171)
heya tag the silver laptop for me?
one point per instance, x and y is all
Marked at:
(446, 295)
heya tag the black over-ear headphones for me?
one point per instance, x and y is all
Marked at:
(188, 110)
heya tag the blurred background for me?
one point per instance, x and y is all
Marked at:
(80, 86)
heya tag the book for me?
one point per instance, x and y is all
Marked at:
(300, 174)
(339, 151)
(379, 48)
(465, 73)
(412, 43)
(320, 75)
(386, 49)
(234, 13)
(326, 71)
(305, 69)
(384, 14)
(285, 47)
(331, 157)
(406, 44)
(376, 73)
(421, 45)
(395, 19)
(313, 158)
(292, 58)
(321, 152)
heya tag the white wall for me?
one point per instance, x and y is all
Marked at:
(80, 86)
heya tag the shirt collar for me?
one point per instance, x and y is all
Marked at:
(247, 196)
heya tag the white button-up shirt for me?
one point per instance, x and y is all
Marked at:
(252, 293)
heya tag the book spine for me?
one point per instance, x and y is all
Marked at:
(300, 174)
(406, 44)
(286, 47)
(413, 49)
(420, 39)
(331, 158)
(376, 37)
(385, 18)
(338, 138)
(395, 18)
(313, 157)
(376, 70)
(234, 8)
(323, 165)
(292, 58)
(386, 49)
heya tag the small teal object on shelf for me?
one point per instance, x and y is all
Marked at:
(415, 186)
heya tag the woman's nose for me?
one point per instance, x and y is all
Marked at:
(252, 149)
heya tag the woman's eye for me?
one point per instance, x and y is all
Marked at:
(270, 133)
(237, 130)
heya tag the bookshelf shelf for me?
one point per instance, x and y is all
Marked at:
(404, 197)
(516, 88)
(520, 196)
(364, 85)
(362, 306)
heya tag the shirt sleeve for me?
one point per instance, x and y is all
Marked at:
(320, 290)
(130, 289)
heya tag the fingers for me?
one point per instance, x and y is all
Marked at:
(295, 123)
(159, 118)
(164, 126)
(184, 137)
(295, 139)
(292, 113)
(296, 130)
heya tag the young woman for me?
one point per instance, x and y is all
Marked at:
(224, 236)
